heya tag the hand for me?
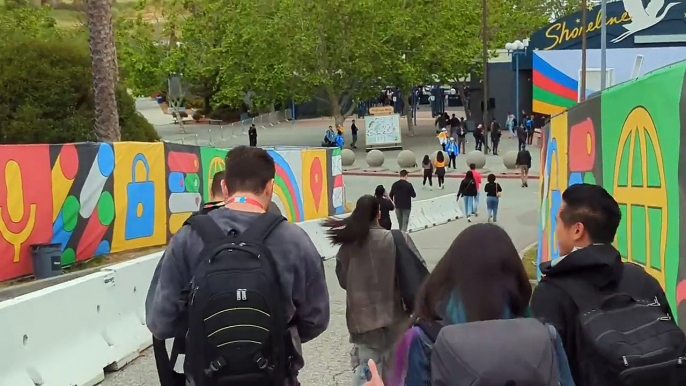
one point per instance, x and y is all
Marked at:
(376, 378)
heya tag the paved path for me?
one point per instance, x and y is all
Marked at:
(327, 357)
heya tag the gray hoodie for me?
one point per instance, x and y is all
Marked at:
(298, 263)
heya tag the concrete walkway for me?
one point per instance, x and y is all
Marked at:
(327, 357)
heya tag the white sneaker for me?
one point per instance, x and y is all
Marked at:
(469, 219)
(490, 218)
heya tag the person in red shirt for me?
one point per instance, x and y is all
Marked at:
(477, 179)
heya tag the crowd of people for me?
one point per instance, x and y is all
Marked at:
(240, 290)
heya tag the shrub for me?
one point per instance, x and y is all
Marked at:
(225, 113)
(48, 96)
(197, 116)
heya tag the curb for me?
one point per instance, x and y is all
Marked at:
(459, 175)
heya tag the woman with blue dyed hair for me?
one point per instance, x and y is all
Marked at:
(480, 278)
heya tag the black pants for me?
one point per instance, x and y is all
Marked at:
(427, 176)
(530, 137)
(479, 142)
(253, 141)
(385, 223)
(496, 142)
(440, 174)
(452, 161)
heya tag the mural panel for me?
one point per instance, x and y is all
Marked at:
(183, 184)
(627, 139)
(82, 200)
(25, 205)
(139, 195)
(98, 198)
(315, 186)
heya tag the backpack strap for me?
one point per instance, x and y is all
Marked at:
(263, 226)
(206, 227)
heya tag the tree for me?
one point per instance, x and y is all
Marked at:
(104, 67)
(52, 100)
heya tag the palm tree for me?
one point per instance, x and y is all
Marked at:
(103, 59)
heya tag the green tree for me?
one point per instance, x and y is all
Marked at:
(51, 100)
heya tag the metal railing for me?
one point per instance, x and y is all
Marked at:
(218, 137)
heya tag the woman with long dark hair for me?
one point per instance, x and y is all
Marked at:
(365, 267)
(439, 163)
(385, 207)
(474, 281)
(428, 171)
(468, 190)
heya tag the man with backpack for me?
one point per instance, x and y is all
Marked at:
(616, 325)
(243, 286)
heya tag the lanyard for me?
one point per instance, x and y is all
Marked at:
(245, 200)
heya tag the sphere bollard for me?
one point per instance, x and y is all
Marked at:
(375, 158)
(406, 159)
(477, 158)
(510, 159)
(347, 157)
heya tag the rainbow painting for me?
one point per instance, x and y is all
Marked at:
(553, 91)
(286, 187)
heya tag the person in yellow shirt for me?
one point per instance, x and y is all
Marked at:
(443, 138)
(439, 164)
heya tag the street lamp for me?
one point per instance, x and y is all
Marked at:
(516, 49)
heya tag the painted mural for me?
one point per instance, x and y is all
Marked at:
(98, 198)
(627, 139)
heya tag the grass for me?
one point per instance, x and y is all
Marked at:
(529, 261)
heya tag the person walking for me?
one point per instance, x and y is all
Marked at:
(495, 137)
(440, 123)
(402, 193)
(454, 126)
(529, 130)
(479, 137)
(353, 131)
(468, 191)
(428, 169)
(385, 206)
(490, 294)
(614, 319)
(252, 135)
(523, 162)
(521, 137)
(439, 163)
(477, 179)
(462, 137)
(375, 314)
(510, 124)
(452, 150)
(493, 192)
(442, 138)
(282, 263)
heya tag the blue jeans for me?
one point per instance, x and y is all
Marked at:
(475, 206)
(492, 207)
(468, 205)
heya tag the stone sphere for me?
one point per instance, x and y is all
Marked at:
(476, 157)
(375, 158)
(510, 159)
(347, 157)
(407, 159)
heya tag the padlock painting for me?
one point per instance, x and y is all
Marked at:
(97, 198)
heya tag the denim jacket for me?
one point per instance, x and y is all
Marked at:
(419, 360)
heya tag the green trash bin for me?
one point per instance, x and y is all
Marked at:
(47, 260)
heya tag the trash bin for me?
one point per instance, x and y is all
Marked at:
(160, 99)
(47, 260)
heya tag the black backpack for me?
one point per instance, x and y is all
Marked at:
(626, 337)
(237, 331)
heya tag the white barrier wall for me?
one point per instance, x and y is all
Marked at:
(65, 335)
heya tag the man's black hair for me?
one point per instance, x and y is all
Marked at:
(403, 173)
(216, 187)
(248, 169)
(472, 166)
(594, 207)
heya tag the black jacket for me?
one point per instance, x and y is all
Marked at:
(467, 188)
(402, 192)
(599, 265)
(523, 158)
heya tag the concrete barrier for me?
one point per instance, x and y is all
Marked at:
(69, 333)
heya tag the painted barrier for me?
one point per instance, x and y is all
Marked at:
(67, 334)
(629, 140)
(99, 198)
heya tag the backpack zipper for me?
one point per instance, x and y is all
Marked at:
(195, 290)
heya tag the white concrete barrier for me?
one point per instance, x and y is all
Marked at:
(65, 335)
